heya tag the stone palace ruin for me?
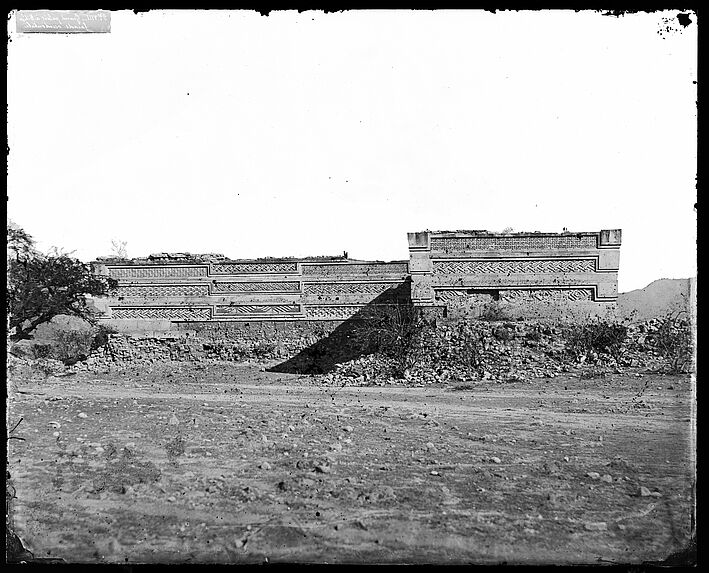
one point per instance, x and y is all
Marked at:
(448, 275)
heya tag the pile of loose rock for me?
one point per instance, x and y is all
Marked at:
(470, 352)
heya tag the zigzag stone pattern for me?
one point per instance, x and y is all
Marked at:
(513, 243)
(462, 297)
(333, 311)
(544, 295)
(247, 309)
(163, 290)
(157, 272)
(165, 313)
(374, 269)
(250, 268)
(273, 286)
(346, 288)
(514, 266)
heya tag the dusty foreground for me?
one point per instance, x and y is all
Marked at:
(232, 464)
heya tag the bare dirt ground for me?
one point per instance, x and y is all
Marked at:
(233, 464)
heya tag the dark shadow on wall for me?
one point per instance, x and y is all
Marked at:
(355, 337)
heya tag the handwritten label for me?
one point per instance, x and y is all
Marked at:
(63, 22)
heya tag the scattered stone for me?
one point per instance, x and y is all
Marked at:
(265, 466)
(596, 526)
(607, 478)
(174, 421)
(348, 429)
(643, 492)
(83, 415)
(593, 475)
(496, 460)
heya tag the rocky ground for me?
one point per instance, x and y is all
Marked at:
(233, 463)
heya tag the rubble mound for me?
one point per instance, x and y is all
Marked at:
(475, 351)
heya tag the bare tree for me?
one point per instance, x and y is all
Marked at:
(119, 249)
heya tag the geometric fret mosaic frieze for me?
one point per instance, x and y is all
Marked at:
(529, 266)
(346, 288)
(250, 309)
(164, 313)
(364, 270)
(157, 272)
(513, 243)
(271, 286)
(249, 268)
(163, 290)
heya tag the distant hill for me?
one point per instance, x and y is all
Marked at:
(655, 300)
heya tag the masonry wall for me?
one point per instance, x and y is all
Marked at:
(519, 275)
(156, 295)
(463, 274)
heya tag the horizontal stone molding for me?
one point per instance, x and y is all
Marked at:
(256, 309)
(253, 268)
(161, 313)
(158, 272)
(514, 266)
(257, 287)
(512, 243)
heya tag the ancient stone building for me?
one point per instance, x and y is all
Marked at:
(552, 275)
(448, 274)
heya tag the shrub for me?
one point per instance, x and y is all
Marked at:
(72, 346)
(673, 340)
(493, 311)
(263, 350)
(392, 331)
(102, 336)
(590, 339)
(41, 351)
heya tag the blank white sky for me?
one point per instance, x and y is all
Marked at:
(307, 134)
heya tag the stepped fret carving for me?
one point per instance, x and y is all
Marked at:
(457, 298)
(347, 288)
(344, 312)
(273, 286)
(514, 266)
(156, 272)
(253, 268)
(544, 295)
(523, 243)
(163, 313)
(370, 269)
(163, 290)
(248, 309)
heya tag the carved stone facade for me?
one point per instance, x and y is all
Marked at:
(153, 294)
(564, 275)
(457, 274)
